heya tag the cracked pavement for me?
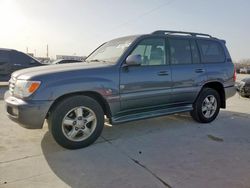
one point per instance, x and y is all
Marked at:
(171, 151)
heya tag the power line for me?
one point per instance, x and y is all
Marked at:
(143, 15)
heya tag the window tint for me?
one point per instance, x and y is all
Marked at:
(152, 51)
(4, 54)
(21, 58)
(180, 51)
(211, 51)
(4, 57)
(195, 52)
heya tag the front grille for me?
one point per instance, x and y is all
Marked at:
(12, 83)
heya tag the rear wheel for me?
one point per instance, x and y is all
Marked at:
(207, 106)
(76, 122)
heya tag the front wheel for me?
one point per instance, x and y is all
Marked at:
(76, 122)
(242, 94)
(206, 106)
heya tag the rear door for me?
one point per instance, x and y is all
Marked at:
(218, 67)
(188, 73)
(149, 84)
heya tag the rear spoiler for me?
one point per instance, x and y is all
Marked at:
(223, 41)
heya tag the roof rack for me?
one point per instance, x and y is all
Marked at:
(165, 32)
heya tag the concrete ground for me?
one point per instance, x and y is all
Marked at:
(171, 151)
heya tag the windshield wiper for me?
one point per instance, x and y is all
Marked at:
(97, 60)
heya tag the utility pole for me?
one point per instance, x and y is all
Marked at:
(47, 54)
(27, 50)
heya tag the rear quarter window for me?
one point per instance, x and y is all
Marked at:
(211, 51)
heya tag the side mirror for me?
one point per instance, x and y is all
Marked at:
(134, 60)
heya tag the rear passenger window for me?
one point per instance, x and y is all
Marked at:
(195, 52)
(211, 51)
(180, 51)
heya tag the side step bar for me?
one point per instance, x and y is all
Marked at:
(150, 114)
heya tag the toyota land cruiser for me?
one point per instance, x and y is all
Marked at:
(125, 79)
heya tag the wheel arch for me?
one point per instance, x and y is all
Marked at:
(92, 94)
(218, 86)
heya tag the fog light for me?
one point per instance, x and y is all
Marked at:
(15, 111)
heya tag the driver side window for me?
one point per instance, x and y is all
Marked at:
(152, 51)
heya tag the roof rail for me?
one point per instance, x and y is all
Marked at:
(166, 32)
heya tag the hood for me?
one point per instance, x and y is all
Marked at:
(246, 79)
(26, 74)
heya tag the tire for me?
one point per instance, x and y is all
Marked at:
(64, 121)
(242, 94)
(200, 105)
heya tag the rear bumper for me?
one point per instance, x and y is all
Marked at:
(230, 91)
(28, 114)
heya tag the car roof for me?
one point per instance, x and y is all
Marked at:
(179, 34)
(6, 49)
(166, 33)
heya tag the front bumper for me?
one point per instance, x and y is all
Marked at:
(230, 91)
(244, 91)
(28, 114)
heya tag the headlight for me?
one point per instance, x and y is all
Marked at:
(24, 88)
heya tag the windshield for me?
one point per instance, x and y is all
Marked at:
(111, 51)
(56, 61)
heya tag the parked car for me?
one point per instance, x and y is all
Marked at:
(125, 79)
(12, 60)
(244, 87)
(248, 70)
(243, 70)
(237, 69)
(63, 61)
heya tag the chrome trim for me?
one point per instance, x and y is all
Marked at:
(12, 83)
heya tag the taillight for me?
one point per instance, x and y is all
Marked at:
(234, 74)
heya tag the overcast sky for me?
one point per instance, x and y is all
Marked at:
(79, 26)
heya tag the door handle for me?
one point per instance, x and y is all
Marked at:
(199, 70)
(163, 73)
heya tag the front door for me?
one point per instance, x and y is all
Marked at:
(149, 84)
